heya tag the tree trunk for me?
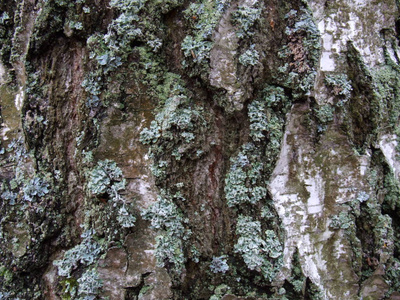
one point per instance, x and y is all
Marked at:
(212, 149)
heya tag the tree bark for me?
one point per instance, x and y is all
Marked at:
(214, 149)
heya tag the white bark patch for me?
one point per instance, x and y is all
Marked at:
(355, 20)
(314, 186)
(19, 99)
(293, 209)
(308, 186)
(4, 131)
(145, 188)
(387, 144)
(222, 59)
(2, 74)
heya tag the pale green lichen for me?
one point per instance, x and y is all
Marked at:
(243, 183)
(199, 51)
(392, 276)
(106, 177)
(250, 57)
(85, 253)
(35, 188)
(125, 219)
(219, 264)
(246, 17)
(341, 86)
(135, 21)
(174, 131)
(106, 180)
(168, 220)
(89, 284)
(267, 120)
(325, 113)
(387, 94)
(392, 195)
(342, 221)
(203, 17)
(260, 254)
(303, 49)
(173, 136)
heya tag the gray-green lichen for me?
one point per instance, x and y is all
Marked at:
(165, 216)
(303, 49)
(261, 254)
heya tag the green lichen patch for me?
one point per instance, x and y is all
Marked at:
(106, 177)
(28, 210)
(244, 180)
(107, 219)
(341, 86)
(203, 17)
(69, 286)
(387, 92)
(89, 284)
(85, 256)
(219, 264)
(6, 31)
(382, 247)
(245, 18)
(86, 253)
(364, 115)
(249, 57)
(169, 221)
(220, 291)
(393, 275)
(325, 114)
(267, 120)
(106, 183)
(29, 220)
(175, 132)
(388, 86)
(260, 253)
(303, 50)
(298, 286)
(375, 225)
(135, 33)
(246, 189)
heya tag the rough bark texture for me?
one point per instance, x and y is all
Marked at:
(213, 149)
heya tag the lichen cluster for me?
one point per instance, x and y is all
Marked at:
(302, 49)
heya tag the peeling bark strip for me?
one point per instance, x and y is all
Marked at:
(212, 149)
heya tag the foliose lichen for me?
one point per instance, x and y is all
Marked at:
(89, 285)
(249, 57)
(341, 86)
(169, 221)
(203, 17)
(86, 253)
(303, 49)
(106, 180)
(262, 254)
(245, 18)
(219, 264)
(244, 183)
(35, 188)
(174, 131)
